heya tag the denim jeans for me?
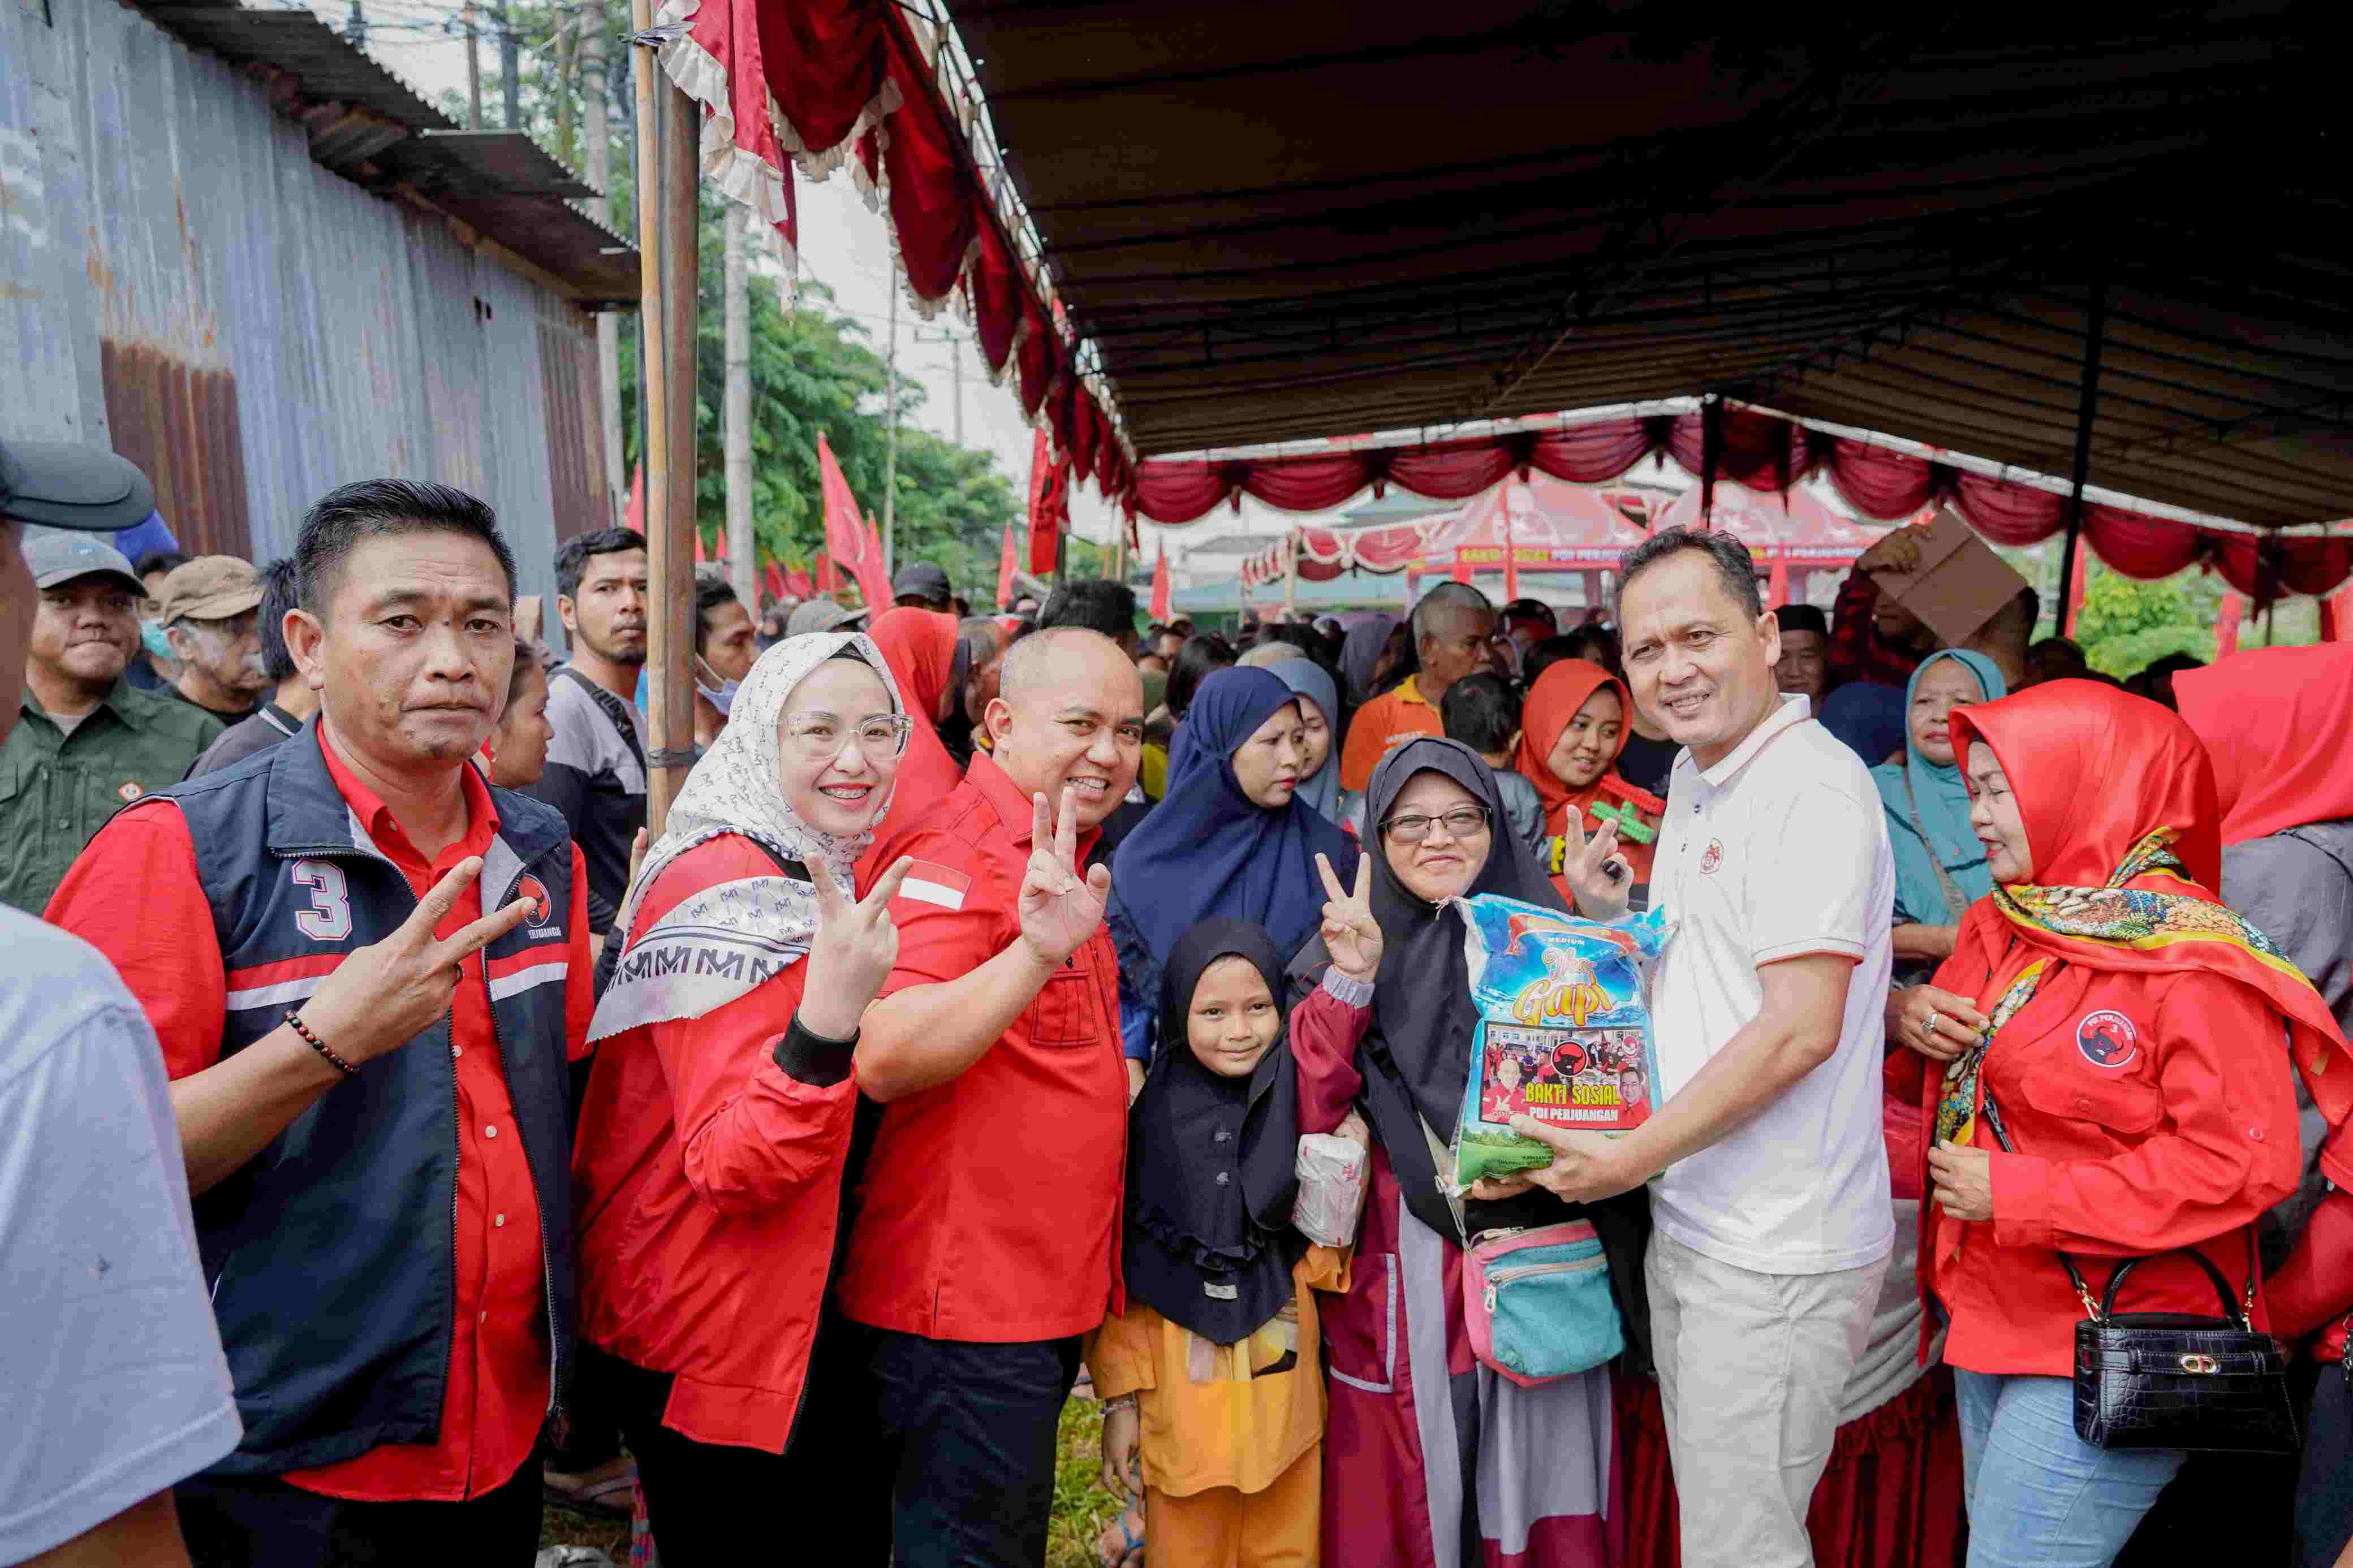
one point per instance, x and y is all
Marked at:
(2324, 1509)
(2039, 1496)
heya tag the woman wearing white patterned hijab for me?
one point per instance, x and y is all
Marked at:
(715, 1140)
(738, 787)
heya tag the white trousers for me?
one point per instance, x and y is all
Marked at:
(1751, 1369)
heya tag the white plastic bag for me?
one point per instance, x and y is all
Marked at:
(1332, 1175)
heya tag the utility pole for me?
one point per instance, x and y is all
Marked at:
(736, 413)
(596, 152)
(509, 62)
(355, 30)
(956, 369)
(473, 68)
(890, 435)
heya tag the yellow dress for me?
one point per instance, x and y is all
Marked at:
(1230, 1435)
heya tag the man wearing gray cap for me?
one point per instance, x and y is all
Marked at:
(824, 615)
(117, 1388)
(208, 610)
(87, 741)
(921, 585)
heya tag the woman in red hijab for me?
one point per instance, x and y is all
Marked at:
(2128, 1027)
(2272, 720)
(920, 647)
(1573, 726)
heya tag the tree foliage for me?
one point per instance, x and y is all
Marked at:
(2126, 624)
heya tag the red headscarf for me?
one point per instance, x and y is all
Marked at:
(2095, 772)
(920, 648)
(2268, 718)
(1563, 689)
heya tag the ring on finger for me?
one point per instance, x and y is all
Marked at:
(1935, 1018)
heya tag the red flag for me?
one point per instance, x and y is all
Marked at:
(700, 557)
(1778, 586)
(2226, 624)
(773, 578)
(826, 579)
(633, 515)
(1006, 567)
(846, 536)
(2075, 588)
(800, 584)
(1163, 604)
(2336, 617)
(1050, 503)
(1462, 572)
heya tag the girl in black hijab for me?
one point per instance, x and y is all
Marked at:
(1430, 1465)
(1212, 1374)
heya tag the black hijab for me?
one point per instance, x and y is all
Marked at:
(1416, 1056)
(1212, 1166)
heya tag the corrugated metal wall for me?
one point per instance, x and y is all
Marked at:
(155, 213)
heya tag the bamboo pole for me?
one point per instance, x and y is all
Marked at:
(663, 116)
(670, 640)
(596, 152)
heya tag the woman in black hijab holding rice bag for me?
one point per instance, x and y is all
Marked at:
(1415, 1450)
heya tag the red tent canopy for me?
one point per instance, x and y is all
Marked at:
(1745, 448)
(1795, 528)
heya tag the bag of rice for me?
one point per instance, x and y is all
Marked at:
(1564, 1035)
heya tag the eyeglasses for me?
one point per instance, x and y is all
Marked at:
(1461, 823)
(817, 735)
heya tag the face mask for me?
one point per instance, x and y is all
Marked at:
(152, 638)
(720, 694)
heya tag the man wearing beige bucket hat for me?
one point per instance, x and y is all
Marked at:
(208, 608)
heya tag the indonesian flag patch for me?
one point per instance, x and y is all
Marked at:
(932, 884)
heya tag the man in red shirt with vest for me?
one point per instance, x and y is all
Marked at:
(370, 1074)
(987, 1241)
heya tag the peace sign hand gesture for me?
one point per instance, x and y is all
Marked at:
(853, 951)
(1060, 906)
(1351, 935)
(1601, 878)
(381, 995)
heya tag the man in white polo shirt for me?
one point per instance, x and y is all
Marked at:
(1767, 1163)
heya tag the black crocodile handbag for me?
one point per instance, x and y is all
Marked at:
(2175, 1380)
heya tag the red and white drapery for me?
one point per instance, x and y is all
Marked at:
(828, 84)
(1749, 447)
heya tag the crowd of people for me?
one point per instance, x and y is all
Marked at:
(392, 1136)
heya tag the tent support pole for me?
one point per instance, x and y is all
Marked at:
(2087, 405)
(668, 230)
(1290, 576)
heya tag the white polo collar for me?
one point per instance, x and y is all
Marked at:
(1794, 709)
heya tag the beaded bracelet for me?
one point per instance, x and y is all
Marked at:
(318, 1044)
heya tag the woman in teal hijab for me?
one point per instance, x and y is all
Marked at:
(1940, 867)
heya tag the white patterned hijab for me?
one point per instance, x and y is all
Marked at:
(722, 942)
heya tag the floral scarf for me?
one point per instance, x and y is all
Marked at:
(2135, 920)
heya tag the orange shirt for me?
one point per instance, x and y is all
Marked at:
(1215, 1415)
(171, 959)
(991, 1205)
(1394, 716)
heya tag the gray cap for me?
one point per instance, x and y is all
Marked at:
(923, 580)
(822, 615)
(60, 485)
(56, 558)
